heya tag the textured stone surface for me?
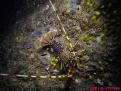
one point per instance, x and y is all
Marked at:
(87, 36)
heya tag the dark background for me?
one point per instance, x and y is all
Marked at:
(11, 10)
(8, 10)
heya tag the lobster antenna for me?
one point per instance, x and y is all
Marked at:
(67, 37)
(36, 76)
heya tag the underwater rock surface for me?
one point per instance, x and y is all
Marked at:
(31, 48)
